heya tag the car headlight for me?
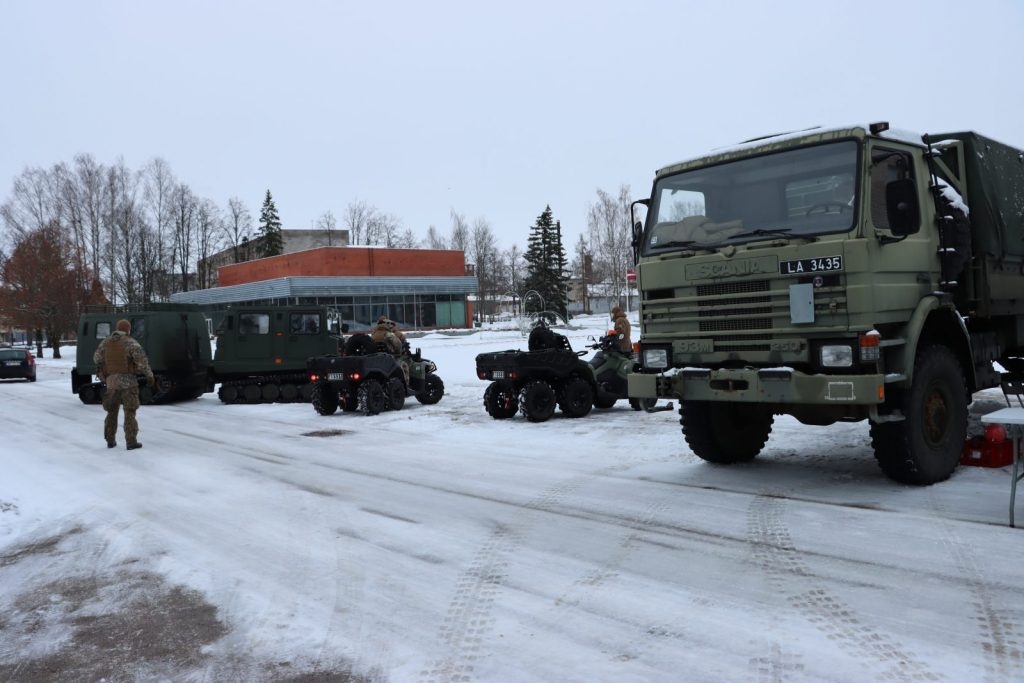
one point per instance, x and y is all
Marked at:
(656, 359)
(837, 356)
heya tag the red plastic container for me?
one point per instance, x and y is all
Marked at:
(981, 453)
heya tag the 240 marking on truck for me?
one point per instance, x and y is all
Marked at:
(811, 265)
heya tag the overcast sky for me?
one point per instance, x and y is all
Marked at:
(492, 109)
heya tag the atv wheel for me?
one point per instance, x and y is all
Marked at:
(925, 447)
(577, 397)
(433, 390)
(604, 400)
(396, 393)
(349, 401)
(725, 432)
(642, 403)
(500, 400)
(537, 401)
(371, 397)
(325, 399)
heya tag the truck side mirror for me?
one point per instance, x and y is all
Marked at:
(901, 207)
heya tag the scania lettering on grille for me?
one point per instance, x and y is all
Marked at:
(748, 266)
(825, 264)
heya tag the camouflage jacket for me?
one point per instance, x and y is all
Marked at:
(119, 360)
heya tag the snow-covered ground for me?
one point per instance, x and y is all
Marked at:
(266, 542)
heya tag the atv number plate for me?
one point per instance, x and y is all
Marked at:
(335, 376)
(498, 374)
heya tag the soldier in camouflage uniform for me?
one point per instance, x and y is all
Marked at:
(621, 324)
(119, 359)
(386, 332)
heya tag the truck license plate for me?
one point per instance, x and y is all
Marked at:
(12, 362)
(498, 374)
(335, 376)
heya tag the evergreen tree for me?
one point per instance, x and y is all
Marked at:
(271, 242)
(546, 265)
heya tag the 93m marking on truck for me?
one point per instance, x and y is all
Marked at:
(811, 265)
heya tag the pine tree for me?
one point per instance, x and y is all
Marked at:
(271, 243)
(546, 265)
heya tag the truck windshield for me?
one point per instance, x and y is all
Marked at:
(795, 193)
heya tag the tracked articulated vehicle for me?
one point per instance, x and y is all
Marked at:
(845, 274)
(176, 342)
(262, 350)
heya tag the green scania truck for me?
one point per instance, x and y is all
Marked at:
(833, 275)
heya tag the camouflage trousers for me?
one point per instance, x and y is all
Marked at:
(112, 402)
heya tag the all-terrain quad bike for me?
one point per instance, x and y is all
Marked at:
(550, 374)
(368, 380)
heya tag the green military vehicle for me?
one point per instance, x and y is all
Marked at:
(174, 336)
(262, 350)
(834, 275)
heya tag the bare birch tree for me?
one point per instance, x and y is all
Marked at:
(237, 228)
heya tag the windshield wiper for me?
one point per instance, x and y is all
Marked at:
(786, 233)
(682, 244)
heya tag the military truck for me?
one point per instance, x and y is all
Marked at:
(843, 274)
(262, 350)
(176, 342)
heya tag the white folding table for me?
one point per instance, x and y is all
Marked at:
(1012, 419)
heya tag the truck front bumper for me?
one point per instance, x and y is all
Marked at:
(766, 385)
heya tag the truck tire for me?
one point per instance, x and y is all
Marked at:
(371, 397)
(537, 401)
(433, 390)
(500, 400)
(325, 399)
(396, 393)
(925, 447)
(577, 397)
(725, 433)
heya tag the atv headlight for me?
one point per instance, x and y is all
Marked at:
(655, 359)
(837, 356)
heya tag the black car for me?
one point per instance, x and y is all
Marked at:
(17, 363)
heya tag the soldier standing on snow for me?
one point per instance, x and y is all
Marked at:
(119, 359)
(621, 324)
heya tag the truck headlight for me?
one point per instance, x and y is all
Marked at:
(837, 356)
(656, 359)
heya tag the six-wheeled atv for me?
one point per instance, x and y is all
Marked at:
(369, 380)
(550, 374)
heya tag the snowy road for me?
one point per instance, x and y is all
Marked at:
(436, 544)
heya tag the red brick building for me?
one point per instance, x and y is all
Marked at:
(415, 287)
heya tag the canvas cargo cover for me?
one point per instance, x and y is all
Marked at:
(995, 193)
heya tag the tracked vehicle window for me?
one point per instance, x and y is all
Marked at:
(886, 166)
(304, 323)
(254, 323)
(805, 191)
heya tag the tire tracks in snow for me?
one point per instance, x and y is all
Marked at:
(468, 619)
(781, 562)
(999, 635)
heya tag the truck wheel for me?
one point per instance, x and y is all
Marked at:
(925, 447)
(396, 393)
(577, 397)
(433, 390)
(500, 400)
(725, 433)
(537, 401)
(325, 399)
(371, 397)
